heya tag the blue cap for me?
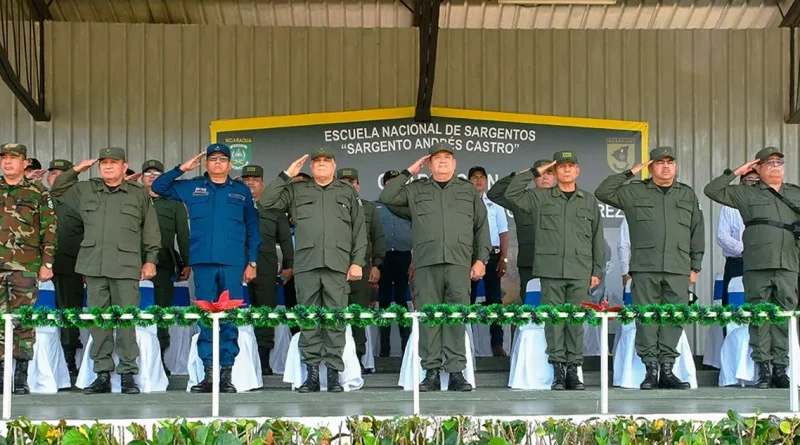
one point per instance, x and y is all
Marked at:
(221, 148)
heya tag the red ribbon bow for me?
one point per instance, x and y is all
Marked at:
(602, 307)
(221, 305)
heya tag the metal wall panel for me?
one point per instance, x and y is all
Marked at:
(718, 96)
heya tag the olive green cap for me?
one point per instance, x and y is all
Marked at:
(541, 162)
(322, 152)
(766, 152)
(112, 153)
(153, 164)
(60, 164)
(350, 173)
(14, 149)
(659, 153)
(253, 170)
(440, 146)
(565, 156)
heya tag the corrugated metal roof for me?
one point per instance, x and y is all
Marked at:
(626, 14)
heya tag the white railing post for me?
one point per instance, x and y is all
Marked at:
(793, 362)
(215, 365)
(8, 349)
(603, 362)
(415, 359)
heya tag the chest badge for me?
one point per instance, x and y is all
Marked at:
(200, 191)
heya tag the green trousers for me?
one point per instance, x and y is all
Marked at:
(770, 342)
(263, 291)
(329, 289)
(654, 343)
(105, 292)
(437, 284)
(564, 341)
(69, 295)
(164, 292)
(525, 275)
(360, 293)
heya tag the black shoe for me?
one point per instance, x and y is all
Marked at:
(225, 383)
(650, 376)
(779, 377)
(72, 364)
(764, 376)
(668, 380)
(21, 378)
(207, 384)
(101, 385)
(558, 377)
(333, 381)
(457, 382)
(431, 381)
(573, 381)
(263, 356)
(312, 380)
(129, 384)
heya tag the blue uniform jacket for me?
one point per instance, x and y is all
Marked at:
(223, 218)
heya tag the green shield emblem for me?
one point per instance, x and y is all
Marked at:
(241, 155)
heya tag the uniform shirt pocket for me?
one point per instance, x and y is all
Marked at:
(236, 206)
(131, 217)
(551, 218)
(304, 207)
(644, 210)
(343, 204)
(760, 208)
(424, 204)
(684, 212)
(26, 211)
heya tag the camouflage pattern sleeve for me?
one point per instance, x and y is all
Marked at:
(47, 228)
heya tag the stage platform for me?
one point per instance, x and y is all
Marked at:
(382, 397)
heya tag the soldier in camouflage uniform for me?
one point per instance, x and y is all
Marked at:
(27, 246)
(68, 283)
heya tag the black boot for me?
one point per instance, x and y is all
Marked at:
(225, 383)
(764, 375)
(431, 381)
(573, 381)
(101, 385)
(207, 384)
(386, 346)
(129, 384)
(263, 356)
(72, 364)
(21, 378)
(779, 377)
(457, 382)
(558, 377)
(312, 380)
(333, 381)
(650, 376)
(668, 380)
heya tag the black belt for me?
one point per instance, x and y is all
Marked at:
(495, 251)
(794, 227)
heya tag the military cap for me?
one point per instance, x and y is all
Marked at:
(322, 152)
(218, 148)
(34, 164)
(766, 152)
(391, 174)
(14, 149)
(476, 169)
(565, 156)
(253, 170)
(60, 164)
(350, 173)
(440, 146)
(541, 162)
(659, 153)
(153, 164)
(112, 153)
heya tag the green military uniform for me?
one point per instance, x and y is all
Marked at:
(361, 291)
(173, 223)
(570, 250)
(525, 228)
(330, 236)
(119, 223)
(450, 232)
(274, 229)
(770, 254)
(68, 284)
(667, 244)
(27, 242)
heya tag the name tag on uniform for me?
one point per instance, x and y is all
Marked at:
(237, 196)
(200, 191)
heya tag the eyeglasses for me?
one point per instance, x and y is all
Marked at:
(774, 162)
(151, 174)
(220, 159)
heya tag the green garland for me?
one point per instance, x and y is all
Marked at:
(432, 315)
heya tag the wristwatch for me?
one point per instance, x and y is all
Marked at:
(505, 260)
(252, 264)
(48, 265)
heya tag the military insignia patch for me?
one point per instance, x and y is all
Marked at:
(620, 153)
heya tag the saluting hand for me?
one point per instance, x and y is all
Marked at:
(544, 168)
(639, 167)
(133, 177)
(746, 167)
(193, 162)
(417, 166)
(35, 175)
(477, 271)
(296, 166)
(84, 165)
(354, 273)
(148, 271)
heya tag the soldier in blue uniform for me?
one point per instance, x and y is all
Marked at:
(224, 243)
